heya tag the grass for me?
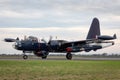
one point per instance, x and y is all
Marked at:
(59, 70)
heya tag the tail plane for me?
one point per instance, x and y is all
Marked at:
(94, 29)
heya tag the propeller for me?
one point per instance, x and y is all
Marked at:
(25, 37)
(47, 43)
(44, 40)
(50, 39)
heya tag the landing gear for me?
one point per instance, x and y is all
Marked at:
(69, 56)
(25, 57)
(44, 57)
(42, 54)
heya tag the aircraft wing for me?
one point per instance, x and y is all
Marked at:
(75, 44)
(85, 45)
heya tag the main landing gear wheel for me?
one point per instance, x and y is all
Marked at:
(69, 56)
(25, 57)
(44, 55)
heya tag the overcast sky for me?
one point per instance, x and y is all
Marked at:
(58, 13)
(68, 19)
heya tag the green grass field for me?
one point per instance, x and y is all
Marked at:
(59, 70)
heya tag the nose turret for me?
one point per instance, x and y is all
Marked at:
(17, 45)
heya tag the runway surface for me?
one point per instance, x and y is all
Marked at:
(58, 58)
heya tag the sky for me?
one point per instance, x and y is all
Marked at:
(67, 19)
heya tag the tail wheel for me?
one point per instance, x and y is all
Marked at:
(69, 56)
(25, 57)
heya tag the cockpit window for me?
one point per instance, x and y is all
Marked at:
(32, 38)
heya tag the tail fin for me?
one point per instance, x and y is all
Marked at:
(114, 36)
(94, 29)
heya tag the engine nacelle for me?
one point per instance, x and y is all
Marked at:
(88, 49)
(92, 47)
(41, 53)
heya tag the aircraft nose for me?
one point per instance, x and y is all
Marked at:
(15, 45)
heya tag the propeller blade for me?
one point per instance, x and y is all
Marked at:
(50, 39)
(44, 40)
(47, 43)
(25, 37)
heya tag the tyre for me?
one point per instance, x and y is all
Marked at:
(25, 57)
(69, 56)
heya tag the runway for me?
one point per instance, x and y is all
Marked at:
(19, 57)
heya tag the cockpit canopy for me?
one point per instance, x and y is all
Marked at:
(32, 38)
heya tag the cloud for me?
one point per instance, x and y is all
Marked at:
(14, 14)
(61, 5)
(61, 13)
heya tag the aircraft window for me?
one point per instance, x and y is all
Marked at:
(31, 38)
